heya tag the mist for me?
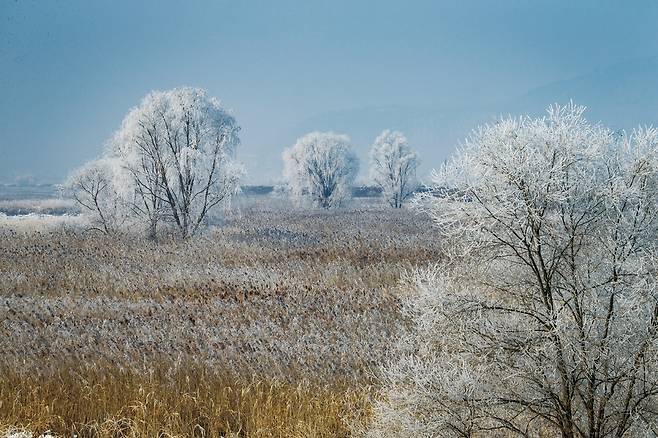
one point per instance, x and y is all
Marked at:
(433, 70)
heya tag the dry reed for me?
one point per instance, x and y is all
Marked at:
(187, 400)
(268, 326)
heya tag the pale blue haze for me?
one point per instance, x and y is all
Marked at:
(70, 70)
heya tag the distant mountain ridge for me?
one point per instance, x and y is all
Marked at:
(621, 96)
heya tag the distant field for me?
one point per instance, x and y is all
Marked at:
(271, 325)
(22, 192)
(47, 199)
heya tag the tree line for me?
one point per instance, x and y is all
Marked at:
(172, 161)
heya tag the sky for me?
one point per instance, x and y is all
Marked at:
(71, 70)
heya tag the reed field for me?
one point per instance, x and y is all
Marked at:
(273, 323)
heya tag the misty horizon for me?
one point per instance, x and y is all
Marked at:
(434, 71)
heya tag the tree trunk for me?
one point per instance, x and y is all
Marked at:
(152, 232)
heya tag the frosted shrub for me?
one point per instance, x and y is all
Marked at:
(97, 188)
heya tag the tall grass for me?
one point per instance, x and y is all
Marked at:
(188, 400)
(270, 325)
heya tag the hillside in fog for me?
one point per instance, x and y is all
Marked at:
(621, 96)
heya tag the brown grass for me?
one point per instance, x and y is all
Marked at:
(285, 314)
(190, 400)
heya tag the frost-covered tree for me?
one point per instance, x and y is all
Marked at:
(393, 167)
(321, 167)
(94, 187)
(543, 318)
(177, 151)
(178, 146)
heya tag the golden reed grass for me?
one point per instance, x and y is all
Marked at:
(181, 401)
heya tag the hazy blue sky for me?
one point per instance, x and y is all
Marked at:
(70, 70)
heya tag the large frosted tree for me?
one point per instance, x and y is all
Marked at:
(176, 149)
(393, 167)
(321, 167)
(542, 319)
